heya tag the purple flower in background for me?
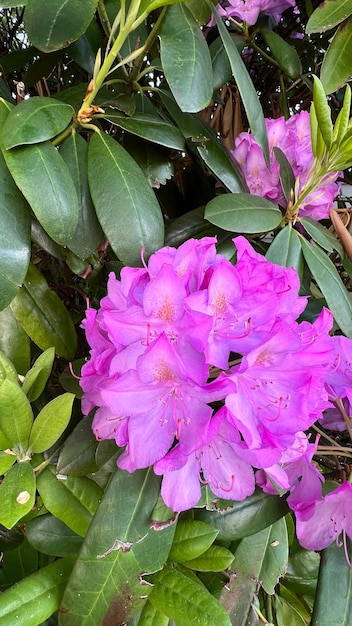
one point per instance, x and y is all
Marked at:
(331, 517)
(249, 10)
(294, 139)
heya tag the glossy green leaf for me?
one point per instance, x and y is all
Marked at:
(286, 250)
(150, 616)
(264, 556)
(14, 342)
(89, 234)
(203, 141)
(6, 461)
(36, 597)
(322, 111)
(302, 572)
(34, 120)
(126, 206)
(61, 23)
(215, 559)
(321, 235)
(192, 538)
(333, 604)
(8, 4)
(73, 501)
(106, 585)
(222, 72)
(200, 10)
(16, 416)
(283, 53)
(247, 517)
(287, 177)
(17, 493)
(336, 68)
(186, 601)
(290, 614)
(19, 563)
(49, 535)
(149, 127)
(154, 162)
(330, 284)
(245, 86)
(40, 166)
(243, 213)
(328, 14)
(238, 597)
(37, 377)
(185, 59)
(15, 233)
(77, 457)
(10, 539)
(51, 422)
(7, 369)
(341, 124)
(43, 315)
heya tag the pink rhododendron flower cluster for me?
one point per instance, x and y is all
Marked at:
(249, 10)
(200, 369)
(293, 137)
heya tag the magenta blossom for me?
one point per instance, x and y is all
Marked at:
(331, 517)
(293, 137)
(249, 10)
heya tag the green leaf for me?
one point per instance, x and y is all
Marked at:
(19, 563)
(322, 111)
(337, 64)
(333, 603)
(147, 6)
(6, 461)
(7, 369)
(14, 342)
(15, 233)
(51, 422)
(200, 10)
(40, 166)
(126, 206)
(285, 55)
(49, 535)
(215, 559)
(73, 501)
(264, 556)
(222, 72)
(16, 416)
(150, 616)
(37, 377)
(243, 213)
(60, 24)
(43, 315)
(287, 177)
(89, 234)
(77, 457)
(203, 141)
(34, 120)
(36, 597)
(185, 59)
(106, 585)
(331, 285)
(321, 235)
(238, 598)
(286, 250)
(245, 86)
(192, 538)
(186, 601)
(302, 572)
(341, 124)
(17, 494)
(328, 14)
(149, 127)
(247, 517)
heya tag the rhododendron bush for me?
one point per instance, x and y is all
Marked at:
(176, 313)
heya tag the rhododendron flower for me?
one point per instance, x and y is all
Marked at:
(293, 137)
(331, 517)
(191, 329)
(249, 10)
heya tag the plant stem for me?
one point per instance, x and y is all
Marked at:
(148, 44)
(104, 17)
